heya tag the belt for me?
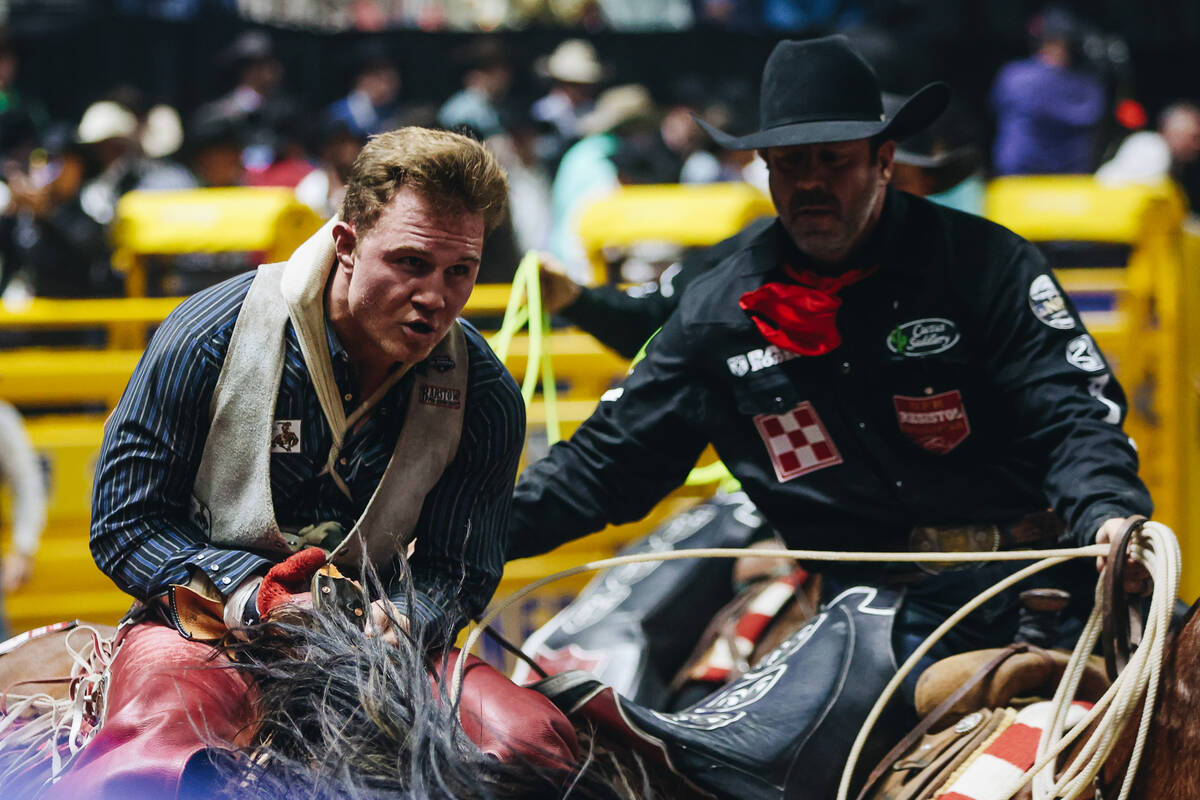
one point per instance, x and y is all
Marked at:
(1032, 530)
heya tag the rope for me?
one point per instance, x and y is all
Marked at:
(524, 308)
(1090, 551)
(1155, 547)
(1158, 549)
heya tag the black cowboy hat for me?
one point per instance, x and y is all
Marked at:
(820, 90)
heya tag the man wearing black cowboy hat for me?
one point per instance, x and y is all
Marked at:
(879, 372)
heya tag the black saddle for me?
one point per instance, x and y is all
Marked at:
(782, 730)
(634, 625)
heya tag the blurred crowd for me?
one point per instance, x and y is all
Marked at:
(1066, 108)
(472, 15)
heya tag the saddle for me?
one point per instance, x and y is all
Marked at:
(626, 627)
(783, 727)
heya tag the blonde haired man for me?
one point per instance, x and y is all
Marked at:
(331, 407)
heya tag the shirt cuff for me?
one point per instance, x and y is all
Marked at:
(241, 610)
(427, 620)
(228, 569)
(1096, 517)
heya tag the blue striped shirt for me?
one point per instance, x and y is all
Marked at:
(142, 533)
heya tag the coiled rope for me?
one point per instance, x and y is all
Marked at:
(1155, 547)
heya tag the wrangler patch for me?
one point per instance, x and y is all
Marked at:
(937, 423)
(797, 442)
(440, 396)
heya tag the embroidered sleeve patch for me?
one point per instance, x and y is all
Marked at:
(937, 423)
(797, 442)
(1083, 354)
(285, 436)
(440, 396)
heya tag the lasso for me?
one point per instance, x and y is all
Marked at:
(1155, 547)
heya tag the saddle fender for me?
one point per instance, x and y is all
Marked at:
(783, 729)
(634, 625)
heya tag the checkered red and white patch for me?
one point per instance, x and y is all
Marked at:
(797, 442)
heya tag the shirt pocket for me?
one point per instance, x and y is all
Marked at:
(772, 393)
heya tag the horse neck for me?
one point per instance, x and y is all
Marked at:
(1170, 763)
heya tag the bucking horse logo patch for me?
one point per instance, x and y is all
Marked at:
(285, 437)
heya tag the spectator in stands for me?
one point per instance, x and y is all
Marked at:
(944, 161)
(1150, 157)
(587, 171)
(488, 77)
(1179, 126)
(290, 162)
(55, 247)
(111, 132)
(21, 471)
(517, 150)
(576, 73)
(1047, 106)
(214, 153)
(337, 146)
(22, 119)
(256, 103)
(371, 106)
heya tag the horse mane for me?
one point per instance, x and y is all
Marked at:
(341, 715)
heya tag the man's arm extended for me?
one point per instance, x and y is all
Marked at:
(637, 446)
(1064, 399)
(142, 533)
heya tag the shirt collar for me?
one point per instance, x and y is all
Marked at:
(336, 350)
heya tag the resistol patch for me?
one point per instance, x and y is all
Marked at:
(797, 442)
(938, 423)
(440, 396)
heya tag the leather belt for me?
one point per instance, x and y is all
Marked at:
(1036, 529)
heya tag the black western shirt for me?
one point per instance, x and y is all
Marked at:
(966, 389)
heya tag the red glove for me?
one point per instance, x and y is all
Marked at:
(288, 578)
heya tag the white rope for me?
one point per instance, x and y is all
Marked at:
(1155, 547)
(919, 653)
(1090, 551)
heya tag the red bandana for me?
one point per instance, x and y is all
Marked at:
(801, 317)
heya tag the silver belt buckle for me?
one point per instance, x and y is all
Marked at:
(969, 538)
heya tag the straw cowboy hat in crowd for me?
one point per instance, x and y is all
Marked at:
(573, 61)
